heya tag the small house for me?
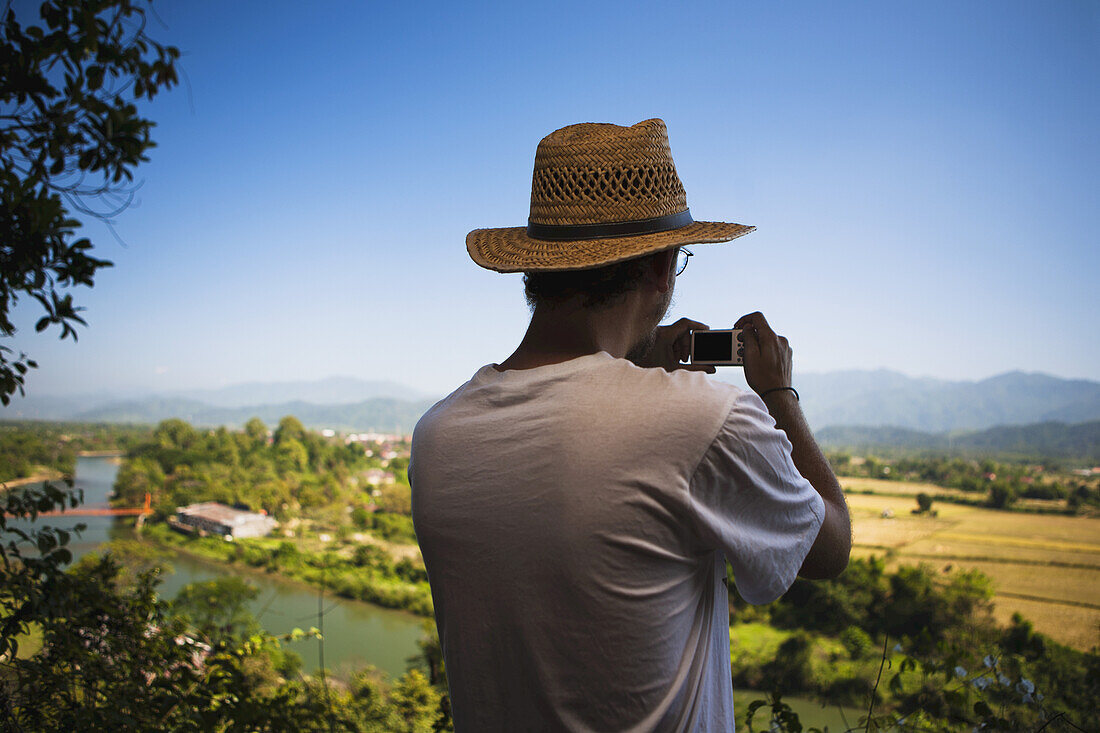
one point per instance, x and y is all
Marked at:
(210, 517)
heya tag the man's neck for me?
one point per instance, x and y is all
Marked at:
(565, 331)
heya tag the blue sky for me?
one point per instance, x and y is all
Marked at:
(923, 176)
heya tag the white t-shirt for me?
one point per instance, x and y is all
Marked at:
(573, 520)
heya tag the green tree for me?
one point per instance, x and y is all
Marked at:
(71, 137)
(790, 670)
(290, 428)
(924, 503)
(225, 447)
(396, 499)
(175, 433)
(416, 702)
(112, 657)
(256, 432)
(135, 478)
(218, 609)
(1001, 495)
(360, 517)
(134, 560)
(291, 456)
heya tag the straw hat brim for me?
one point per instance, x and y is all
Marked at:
(511, 250)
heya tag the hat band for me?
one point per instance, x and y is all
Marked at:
(560, 232)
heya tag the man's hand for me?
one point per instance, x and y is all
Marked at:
(767, 356)
(672, 346)
(768, 366)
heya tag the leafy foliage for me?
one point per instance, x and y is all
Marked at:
(296, 471)
(71, 136)
(27, 447)
(1001, 482)
(115, 656)
(950, 668)
(218, 609)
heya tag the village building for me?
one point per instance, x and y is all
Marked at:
(377, 477)
(210, 517)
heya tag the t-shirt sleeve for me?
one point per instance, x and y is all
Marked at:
(749, 501)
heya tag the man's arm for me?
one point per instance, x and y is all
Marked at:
(768, 367)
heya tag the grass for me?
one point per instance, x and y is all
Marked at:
(753, 645)
(1040, 564)
(314, 562)
(1072, 585)
(1078, 625)
(30, 643)
(885, 487)
(810, 712)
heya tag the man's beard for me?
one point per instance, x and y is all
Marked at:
(639, 352)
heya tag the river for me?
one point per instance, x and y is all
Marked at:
(356, 633)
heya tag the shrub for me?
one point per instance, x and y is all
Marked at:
(790, 670)
(1000, 496)
(394, 527)
(858, 643)
(360, 517)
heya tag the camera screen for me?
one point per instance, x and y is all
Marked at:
(713, 346)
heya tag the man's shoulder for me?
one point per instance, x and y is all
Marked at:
(433, 413)
(590, 383)
(651, 405)
(681, 386)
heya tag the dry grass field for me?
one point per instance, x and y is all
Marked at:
(1045, 567)
(897, 488)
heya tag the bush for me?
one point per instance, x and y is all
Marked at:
(1044, 491)
(857, 642)
(360, 517)
(395, 499)
(370, 556)
(1001, 496)
(407, 570)
(394, 527)
(849, 691)
(790, 670)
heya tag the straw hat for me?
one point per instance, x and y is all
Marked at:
(600, 194)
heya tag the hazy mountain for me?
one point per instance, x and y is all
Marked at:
(46, 407)
(142, 407)
(379, 413)
(877, 398)
(330, 391)
(931, 405)
(1049, 439)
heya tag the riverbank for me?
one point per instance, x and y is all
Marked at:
(362, 572)
(357, 634)
(35, 479)
(101, 453)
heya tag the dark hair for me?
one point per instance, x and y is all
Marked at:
(598, 287)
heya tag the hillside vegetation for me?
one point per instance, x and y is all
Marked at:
(31, 448)
(1078, 443)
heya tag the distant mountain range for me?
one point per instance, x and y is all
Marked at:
(1080, 441)
(924, 407)
(203, 405)
(379, 413)
(930, 405)
(330, 391)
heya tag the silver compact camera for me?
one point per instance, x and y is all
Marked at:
(719, 347)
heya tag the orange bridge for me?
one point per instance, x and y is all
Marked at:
(103, 511)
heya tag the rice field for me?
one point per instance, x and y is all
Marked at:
(1045, 567)
(897, 488)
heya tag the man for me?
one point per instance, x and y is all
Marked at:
(574, 503)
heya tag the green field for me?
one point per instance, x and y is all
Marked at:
(810, 712)
(1045, 567)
